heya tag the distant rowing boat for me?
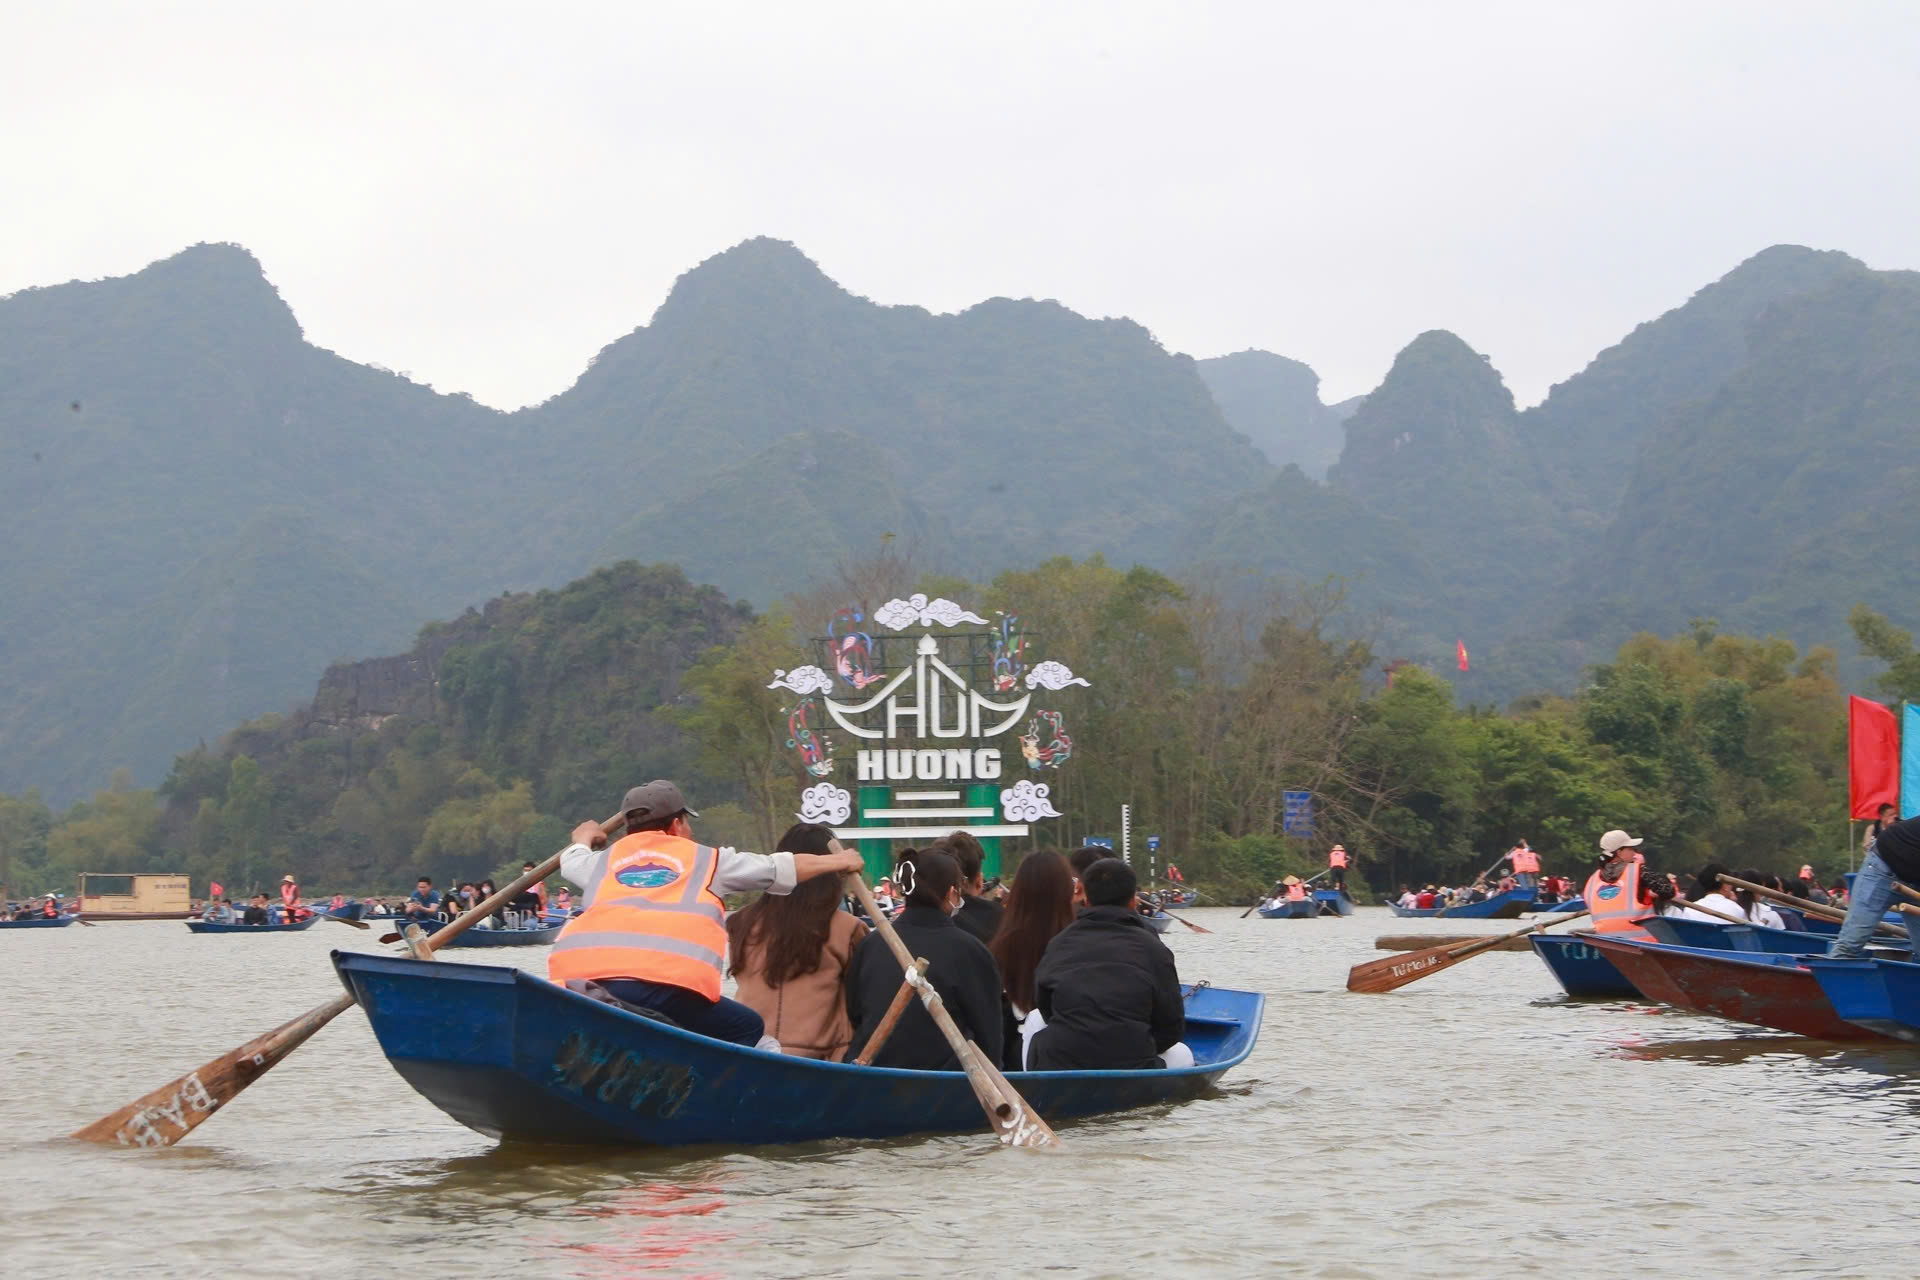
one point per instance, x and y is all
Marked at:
(479, 937)
(210, 926)
(38, 922)
(1501, 906)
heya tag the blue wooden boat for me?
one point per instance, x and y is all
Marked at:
(1882, 996)
(38, 922)
(1297, 909)
(1579, 968)
(350, 910)
(1678, 932)
(1159, 921)
(208, 926)
(1565, 905)
(1331, 902)
(477, 937)
(518, 1058)
(1501, 906)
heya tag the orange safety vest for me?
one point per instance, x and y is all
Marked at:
(652, 915)
(1524, 859)
(289, 893)
(1295, 892)
(1337, 858)
(1613, 907)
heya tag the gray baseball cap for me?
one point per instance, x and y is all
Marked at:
(653, 801)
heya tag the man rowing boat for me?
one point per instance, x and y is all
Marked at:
(653, 933)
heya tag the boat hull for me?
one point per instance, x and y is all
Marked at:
(351, 911)
(1300, 910)
(1569, 905)
(1159, 923)
(38, 922)
(1882, 996)
(476, 937)
(208, 926)
(515, 1057)
(1761, 988)
(1580, 969)
(1502, 906)
(1331, 902)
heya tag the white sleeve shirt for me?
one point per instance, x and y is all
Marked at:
(738, 872)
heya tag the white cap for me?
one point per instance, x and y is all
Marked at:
(1617, 839)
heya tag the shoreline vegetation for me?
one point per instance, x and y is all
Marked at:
(481, 746)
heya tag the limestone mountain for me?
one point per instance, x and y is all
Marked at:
(1591, 427)
(1275, 402)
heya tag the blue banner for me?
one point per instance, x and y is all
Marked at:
(1909, 759)
(1296, 814)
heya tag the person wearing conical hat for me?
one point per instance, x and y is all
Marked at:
(1296, 889)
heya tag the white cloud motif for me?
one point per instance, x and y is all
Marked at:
(898, 615)
(1026, 801)
(802, 680)
(1054, 675)
(825, 803)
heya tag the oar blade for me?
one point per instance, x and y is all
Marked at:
(1017, 1124)
(174, 1110)
(1391, 972)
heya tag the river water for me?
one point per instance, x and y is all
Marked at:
(1474, 1123)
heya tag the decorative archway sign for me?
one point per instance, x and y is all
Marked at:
(942, 725)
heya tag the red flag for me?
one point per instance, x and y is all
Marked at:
(1873, 757)
(214, 890)
(1460, 652)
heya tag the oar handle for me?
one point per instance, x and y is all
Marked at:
(501, 897)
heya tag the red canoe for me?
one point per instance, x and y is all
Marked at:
(1765, 990)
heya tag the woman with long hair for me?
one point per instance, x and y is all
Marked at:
(789, 955)
(959, 967)
(1039, 906)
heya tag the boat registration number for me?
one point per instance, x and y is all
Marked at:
(589, 1067)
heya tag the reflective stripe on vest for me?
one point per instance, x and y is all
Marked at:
(663, 923)
(1614, 906)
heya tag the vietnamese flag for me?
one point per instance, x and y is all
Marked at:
(1873, 758)
(214, 890)
(1460, 652)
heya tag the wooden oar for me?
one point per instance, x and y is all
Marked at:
(1190, 924)
(1014, 1122)
(358, 924)
(901, 999)
(1263, 897)
(1391, 972)
(175, 1109)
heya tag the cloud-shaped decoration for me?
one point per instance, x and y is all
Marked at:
(825, 803)
(1026, 801)
(1054, 675)
(802, 680)
(898, 615)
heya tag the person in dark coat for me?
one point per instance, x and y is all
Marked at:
(1107, 986)
(959, 967)
(977, 915)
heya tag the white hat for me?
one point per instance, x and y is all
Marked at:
(1616, 839)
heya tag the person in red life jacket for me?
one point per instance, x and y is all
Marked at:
(1337, 866)
(1621, 890)
(1174, 876)
(1526, 865)
(653, 930)
(52, 907)
(1296, 890)
(1426, 899)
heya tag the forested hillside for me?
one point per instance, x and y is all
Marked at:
(1275, 402)
(498, 730)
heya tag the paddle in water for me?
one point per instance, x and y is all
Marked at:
(1391, 972)
(1014, 1122)
(175, 1109)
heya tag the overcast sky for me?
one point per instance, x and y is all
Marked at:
(485, 195)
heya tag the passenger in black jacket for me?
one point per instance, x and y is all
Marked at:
(1107, 986)
(976, 915)
(959, 967)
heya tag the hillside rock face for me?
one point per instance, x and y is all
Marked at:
(1275, 402)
